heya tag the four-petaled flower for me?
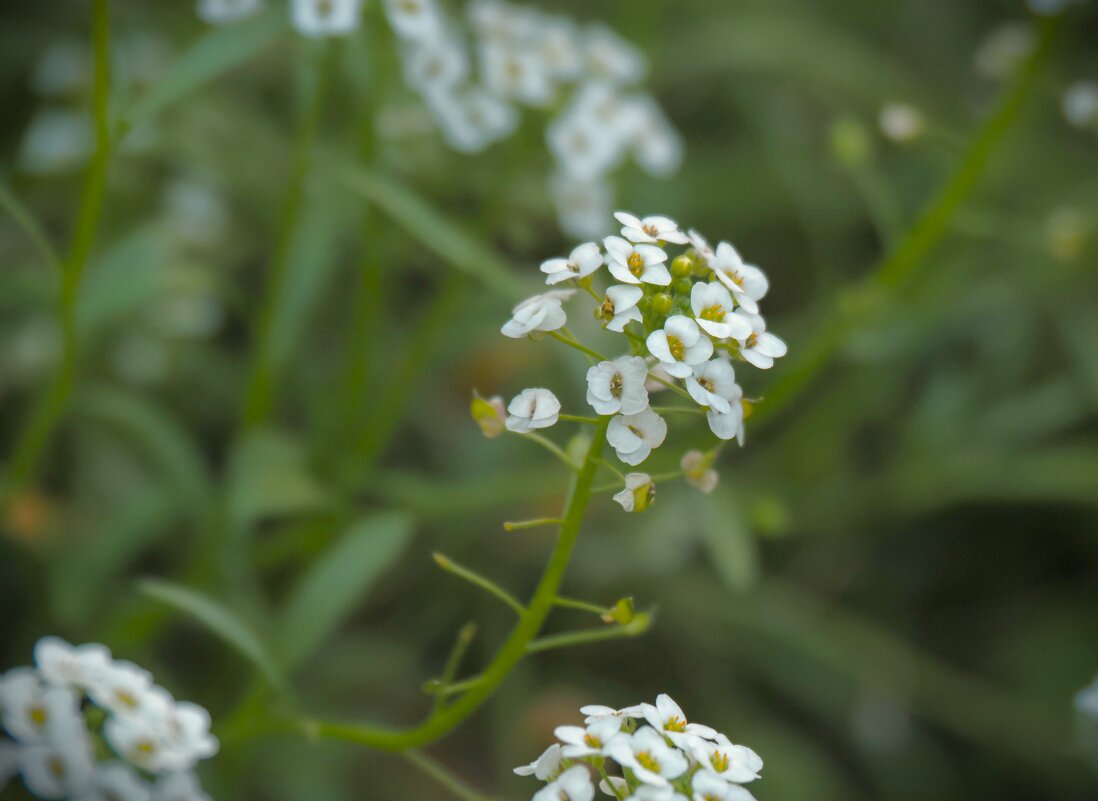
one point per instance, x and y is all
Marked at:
(572, 785)
(583, 261)
(540, 313)
(648, 755)
(760, 347)
(618, 386)
(713, 309)
(667, 717)
(619, 308)
(532, 409)
(679, 345)
(636, 264)
(713, 385)
(650, 230)
(633, 436)
(580, 742)
(747, 282)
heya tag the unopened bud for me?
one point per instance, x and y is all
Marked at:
(489, 414)
(662, 304)
(682, 266)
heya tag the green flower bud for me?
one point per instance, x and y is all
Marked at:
(662, 303)
(682, 267)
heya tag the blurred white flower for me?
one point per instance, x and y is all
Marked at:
(747, 282)
(1050, 7)
(901, 122)
(634, 436)
(636, 264)
(221, 12)
(611, 58)
(114, 781)
(317, 18)
(761, 348)
(1004, 49)
(57, 140)
(33, 712)
(650, 230)
(436, 66)
(593, 712)
(123, 688)
(582, 204)
(697, 469)
(580, 742)
(713, 385)
(728, 425)
(1080, 104)
(65, 665)
(580, 146)
(472, 118)
(618, 386)
(415, 19)
(545, 767)
(532, 409)
(57, 769)
(707, 787)
(582, 262)
(539, 313)
(515, 73)
(712, 306)
(1086, 700)
(62, 69)
(574, 785)
(638, 494)
(178, 787)
(648, 755)
(679, 346)
(490, 414)
(657, 146)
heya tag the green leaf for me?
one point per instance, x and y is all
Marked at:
(417, 217)
(732, 548)
(216, 53)
(331, 588)
(268, 478)
(219, 620)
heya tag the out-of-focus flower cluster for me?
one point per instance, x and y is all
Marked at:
(585, 77)
(685, 318)
(84, 726)
(648, 752)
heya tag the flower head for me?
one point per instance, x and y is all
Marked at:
(539, 313)
(648, 755)
(490, 414)
(618, 386)
(636, 264)
(583, 261)
(650, 229)
(713, 309)
(747, 282)
(713, 385)
(633, 436)
(580, 741)
(532, 409)
(759, 347)
(638, 495)
(572, 785)
(679, 346)
(546, 767)
(317, 18)
(620, 307)
(697, 469)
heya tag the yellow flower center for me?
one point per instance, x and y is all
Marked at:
(145, 747)
(592, 741)
(719, 761)
(650, 229)
(38, 715)
(675, 723)
(678, 350)
(636, 263)
(714, 313)
(57, 767)
(126, 698)
(616, 385)
(606, 310)
(324, 7)
(648, 762)
(707, 385)
(752, 341)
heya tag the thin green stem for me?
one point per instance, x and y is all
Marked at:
(444, 777)
(25, 220)
(635, 628)
(515, 647)
(486, 584)
(575, 418)
(572, 343)
(550, 446)
(462, 642)
(617, 485)
(572, 603)
(678, 410)
(522, 525)
(671, 385)
(606, 778)
(587, 288)
(437, 687)
(32, 441)
(613, 469)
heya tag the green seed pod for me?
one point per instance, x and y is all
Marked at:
(682, 267)
(662, 303)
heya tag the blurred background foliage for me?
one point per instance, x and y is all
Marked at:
(892, 594)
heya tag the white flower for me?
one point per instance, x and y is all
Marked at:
(636, 264)
(657, 146)
(33, 712)
(138, 740)
(707, 787)
(546, 767)
(582, 204)
(1080, 104)
(325, 17)
(747, 282)
(1086, 701)
(123, 688)
(612, 58)
(712, 306)
(614, 786)
(436, 66)
(414, 19)
(595, 712)
(667, 717)
(679, 345)
(580, 146)
(557, 42)
(56, 770)
(697, 469)
(618, 386)
(473, 118)
(56, 140)
(650, 758)
(539, 313)
(713, 385)
(221, 12)
(516, 73)
(901, 122)
(637, 496)
(1050, 7)
(187, 737)
(179, 787)
(580, 742)
(532, 409)
(1004, 49)
(702, 249)
(633, 436)
(572, 785)
(650, 230)
(66, 665)
(761, 348)
(724, 760)
(620, 307)
(583, 261)
(728, 425)
(114, 781)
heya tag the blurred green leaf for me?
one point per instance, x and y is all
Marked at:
(219, 620)
(729, 541)
(124, 280)
(268, 477)
(337, 581)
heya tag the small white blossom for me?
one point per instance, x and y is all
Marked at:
(713, 385)
(65, 665)
(436, 67)
(650, 230)
(746, 281)
(761, 348)
(612, 58)
(56, 770)
(707, 787)
(679, 345)
(419, 20)
(637, 496)
(223, 12)
(582, 204)
(580, 146)
(620, 307)
(472, 119)
(539, 313)
(583, 261)
(489, 414)
(724, 760)
(657, 146)
(713, 307)
(546, 767)
(572, 785)
(727, 425)
(532, 409)
(580, 742)
(1004, 49)
(179, 787)
(56, 140)
(123, 688)
(901, 122)
(636, 264)
(618, 386)
(698, 471)
(316, 18)
(595, 712)
(1086, 700)
(1080, 104)
(515, 73)
(649, 756)
(114, 781)
(633, 436)
(559, 49)
(702, 249)
(667, 717)
(33, 712)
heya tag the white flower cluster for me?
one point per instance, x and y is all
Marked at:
(661, 756)
(685, 318)
(78, 699)
(520, 56)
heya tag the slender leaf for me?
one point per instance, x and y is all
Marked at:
(731, 545)
(268, 478)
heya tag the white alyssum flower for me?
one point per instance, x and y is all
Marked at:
(539, 313)
(419, 20)
(679, 345)
(178, 787)
(667, 717)
(612, 58)
(901, 122)
(638, 494)
(546, 767)
(317, 18)
(617, 387)
(436, 68)
(471, 118)
(580, 146)
(619, 308)
(713, 385)
(712, 306)
(1004, 49)
(532, 409)
(725, 760)
(728, 425)
(65, 665)
(580, 741)
(634, 436)
(516, 73)
(650, 230)
(707, 787)
(636, 264)
(57, 769)
(582, 262)
(747, 282)
(1086, 700)
(1080, 104)
(761, 348)
(593, 712)
(582, 203)
(647, 754)
(572, 785)
(697, 469)
(33, 712)
(114, 781)
(656, 145)
(123, 688)
(223, 12)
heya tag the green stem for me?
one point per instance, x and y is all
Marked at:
(572, 603)
(521, 525)
(606, 778)
(927, 232)
(445, 689)
(572, 343)
(444, 777)
(634, 629)
(513, 650)
(477, 580)
(575, 418)
(550, 446)
(259, 397)
(678, 410)
(453, 662)
(25, 220)
(32, 442)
